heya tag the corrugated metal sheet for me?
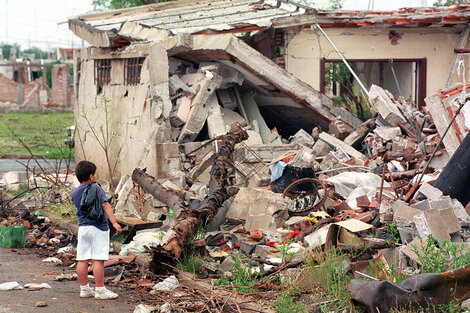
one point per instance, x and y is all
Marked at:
(197, 17)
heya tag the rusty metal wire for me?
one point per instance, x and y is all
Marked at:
(246, 163)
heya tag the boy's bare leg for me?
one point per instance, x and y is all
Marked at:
(98, 272)
(82, 272)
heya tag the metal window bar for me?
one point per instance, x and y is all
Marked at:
(132, 70)
(102, 72)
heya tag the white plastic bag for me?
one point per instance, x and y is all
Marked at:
(149, 239)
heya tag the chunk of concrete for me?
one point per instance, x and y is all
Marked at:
(356, 137)
(215, 121)
(199, 112)
(168, 159)
(460, 212)
(335, 142)
(450, 220)
(431, 223)
(229, 75)
(422, 205)
(426, 191)
(385, 105)
(321, 148)
(387, 133)
(338, 129)
(302, 138)
(441, 119)
(260, 209)
(176, 85)
(404, 215)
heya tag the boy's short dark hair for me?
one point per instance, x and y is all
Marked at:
(84, 169)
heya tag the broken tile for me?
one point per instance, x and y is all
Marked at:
(430, 223)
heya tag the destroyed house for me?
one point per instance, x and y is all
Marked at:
(178, 73)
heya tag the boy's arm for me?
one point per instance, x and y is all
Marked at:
(109, 212)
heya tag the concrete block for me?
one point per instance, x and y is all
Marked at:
(267, 252)
(441, 203)
(168, 159)
(13, 180)
(302, 138)
(441, 119)
(215, 121)
(260, 209)
(422, 205)
(227, 99)
(334, 142)
(199, 112)
(356, 137)
(204, 164)
(385, 106)
(321, 148)
(387, 133)
(407, 234)
(460, 212)
(426, 191)
(430, 223)
(338, 129)
(176, 85)
(226, 265)
(265, 153)
(404, 215)
(450, 220)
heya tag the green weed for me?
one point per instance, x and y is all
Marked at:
(438, 258)
(243, 275)
(190, 259)
(287, 302)
(332, 277)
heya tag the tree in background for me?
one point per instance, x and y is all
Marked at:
(38, 53)
(441, 3)
(119, 4)
(6, 49)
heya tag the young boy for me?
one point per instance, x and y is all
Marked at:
(93, 236)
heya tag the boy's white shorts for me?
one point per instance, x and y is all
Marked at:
(93, 244)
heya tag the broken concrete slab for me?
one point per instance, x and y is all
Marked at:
(215, 121)
(176, 84)
(427, 191)
(441, 119)
(260, 209)
(168, 159)
(338, 129)
(422, 205)
(385, 105)
(199, 112)
(387, 133)
(431, 223)
(404, 215)
(302, 138)
(335, 142)
(450, 220)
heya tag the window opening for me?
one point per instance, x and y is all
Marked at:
(102, 72)
(132, 69)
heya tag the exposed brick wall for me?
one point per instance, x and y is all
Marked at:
(8, 90)
(60, 82)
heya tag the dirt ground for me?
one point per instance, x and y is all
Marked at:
(26, 266)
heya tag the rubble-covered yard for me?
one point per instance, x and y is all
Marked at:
(329, 221)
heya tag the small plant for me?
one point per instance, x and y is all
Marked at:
(190, 260)
(392, 230)
(438, 258)
(242, 276)
(330, 275)
(284, 249)
(102, 134)
(287, 302)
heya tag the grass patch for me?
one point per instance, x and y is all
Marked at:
(119, 238)
(331, 277)
(19, 191)
(287, 302)
(191, 259)
(243, 275)
(43, 133)
(65, 210)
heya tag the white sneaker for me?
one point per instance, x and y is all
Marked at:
(87, 293)
(105, 295)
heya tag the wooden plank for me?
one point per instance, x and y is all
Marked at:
(462, 44)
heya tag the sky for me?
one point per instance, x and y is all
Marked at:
(34, 23)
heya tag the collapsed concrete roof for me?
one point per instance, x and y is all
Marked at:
(190, 17)
(457, 15)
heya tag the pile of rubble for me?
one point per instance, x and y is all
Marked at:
(368, 189)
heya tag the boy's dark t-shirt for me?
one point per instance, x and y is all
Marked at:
(82, 220)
